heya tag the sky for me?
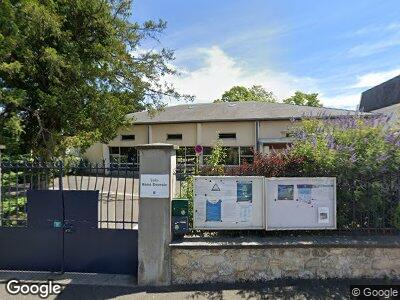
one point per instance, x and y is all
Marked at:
(335, 48)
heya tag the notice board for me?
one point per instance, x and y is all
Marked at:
(300, 203)
(228, 202)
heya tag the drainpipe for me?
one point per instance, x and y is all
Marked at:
(257, 134)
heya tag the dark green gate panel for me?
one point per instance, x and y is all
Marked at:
(38, 247)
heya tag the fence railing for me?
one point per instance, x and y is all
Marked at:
(118, 189)
(365, 202)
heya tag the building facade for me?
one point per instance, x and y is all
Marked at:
(241, 127)
(383, 99)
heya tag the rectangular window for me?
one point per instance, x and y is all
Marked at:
(128, 137)
(174, 136)
(185, 160)
(114, 155)
(124, 156)
(227, 135)
(246, 155)
(232, 156)
(114, 150)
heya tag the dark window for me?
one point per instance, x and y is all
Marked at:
(289, 134)
(114, 150)
(227, 135)
(124, 155)
(232, 156)
(174, 136)
(128, 137)
(246, 155)
(186, 160)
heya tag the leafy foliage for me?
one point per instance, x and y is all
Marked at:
(276, 164)
(241, 93)
(347, 146)
(300, 98)
(215, 161)
(70, 71)
(364, 156)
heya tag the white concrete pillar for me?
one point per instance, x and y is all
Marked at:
(156, 189)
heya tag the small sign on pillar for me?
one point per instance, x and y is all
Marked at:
(154, 186)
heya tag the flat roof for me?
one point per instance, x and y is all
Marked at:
(235, 111)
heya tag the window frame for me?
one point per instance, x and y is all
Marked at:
(128, 137)
(225, 136)
(174, 136)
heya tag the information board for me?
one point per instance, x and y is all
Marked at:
(154, 186)
(300, 203)
(228, 202)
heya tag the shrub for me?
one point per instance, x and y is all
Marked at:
(364, 155)
(270, 165)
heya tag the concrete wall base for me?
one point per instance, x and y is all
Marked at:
(229, 263)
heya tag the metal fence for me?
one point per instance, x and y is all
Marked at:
(367, 202)
(117, 186)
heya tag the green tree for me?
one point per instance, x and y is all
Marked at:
(241, 93)
(70, 71)
(300, 98)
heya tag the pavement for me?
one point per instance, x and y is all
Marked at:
(103, 287)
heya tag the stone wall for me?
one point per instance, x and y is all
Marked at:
(194, 262)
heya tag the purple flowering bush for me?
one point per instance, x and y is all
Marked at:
(354, 144)
(363, 153)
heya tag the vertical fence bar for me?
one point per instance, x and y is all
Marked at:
(123, 199)
(101, 194)
(17, 195)
(89, 177)
(132, 195)
(80, 169)
(76, 179)
(108, 198)
(61, 175)
(116, 198)
(25, 195)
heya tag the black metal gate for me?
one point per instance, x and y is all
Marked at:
(74, 219)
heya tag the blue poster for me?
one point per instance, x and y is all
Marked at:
(213, 211)
(285, 191)
(244, 192)
(304, 192)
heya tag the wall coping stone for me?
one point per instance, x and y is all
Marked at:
(326, 241)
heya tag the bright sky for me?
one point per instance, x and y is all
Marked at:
(336, 48)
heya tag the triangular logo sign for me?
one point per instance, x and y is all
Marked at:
(215, 188)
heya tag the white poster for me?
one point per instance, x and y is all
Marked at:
(228, 202)
(154, 186)
(323, 215)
